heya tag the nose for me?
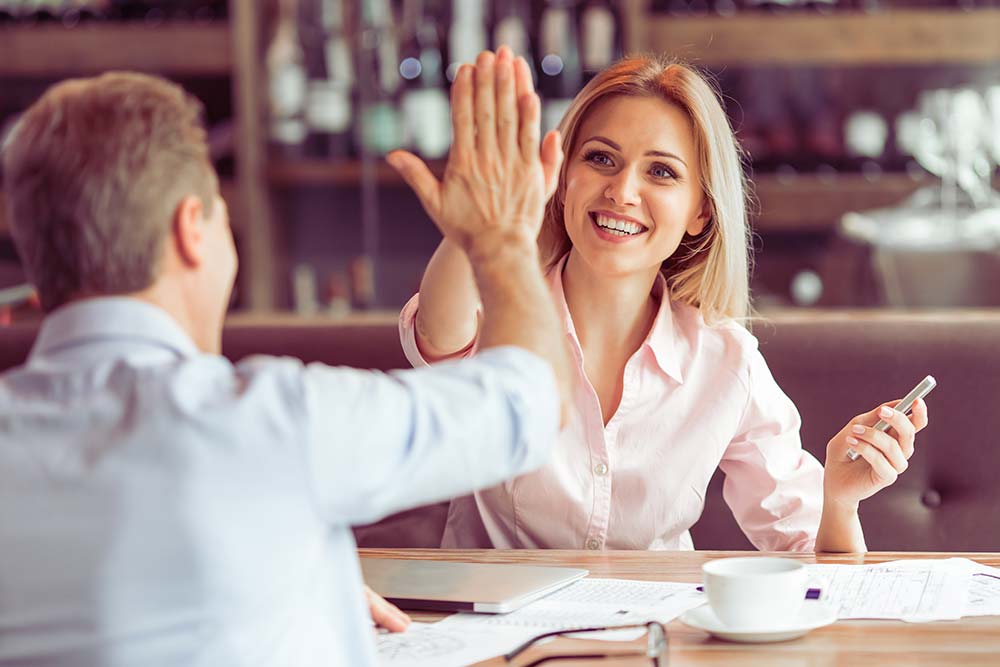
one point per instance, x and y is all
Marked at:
(623, 188)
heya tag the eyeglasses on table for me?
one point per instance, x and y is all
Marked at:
(655, 647)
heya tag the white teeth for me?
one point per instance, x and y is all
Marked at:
(618, 227)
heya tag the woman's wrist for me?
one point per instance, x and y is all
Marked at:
(840, 528)
(839, 504)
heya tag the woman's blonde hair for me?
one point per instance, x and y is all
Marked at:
(711, 270)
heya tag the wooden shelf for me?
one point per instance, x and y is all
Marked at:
(801, 203)
(171, 48)
(230, 192)
(337, 173)
(808, 203)
(904, 37)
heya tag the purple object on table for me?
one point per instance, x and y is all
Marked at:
(811, 594)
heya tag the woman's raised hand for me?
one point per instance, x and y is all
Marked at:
(498, 178)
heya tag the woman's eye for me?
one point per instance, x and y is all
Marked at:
(599, 158)
(662, 171)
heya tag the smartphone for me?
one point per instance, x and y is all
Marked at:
(905, 406)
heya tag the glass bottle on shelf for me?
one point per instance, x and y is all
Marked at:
(600, 36)
(425, 107)
(511, 19)
(378, 128)
(561, 76)
(466, 35)
(329, 110)
(287, 84)
(865, 133)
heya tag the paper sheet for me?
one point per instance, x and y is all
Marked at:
(913, 591)
(593, 603)
(984, 581)
(431, 645)
(984, 585)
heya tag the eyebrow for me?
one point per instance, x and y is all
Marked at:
(615, 146)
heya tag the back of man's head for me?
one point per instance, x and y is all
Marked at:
(94, 172)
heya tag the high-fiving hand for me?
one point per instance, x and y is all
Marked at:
(497, 181)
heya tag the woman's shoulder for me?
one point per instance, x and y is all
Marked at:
(727, 343)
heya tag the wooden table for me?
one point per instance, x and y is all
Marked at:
(970, 641)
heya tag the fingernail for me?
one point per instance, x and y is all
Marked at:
(858, 428)
(852, 441)
(885, 412)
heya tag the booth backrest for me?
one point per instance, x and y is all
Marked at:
(833, 365)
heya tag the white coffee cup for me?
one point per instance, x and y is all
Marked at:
(756, 592)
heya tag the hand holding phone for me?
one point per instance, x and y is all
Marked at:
(905, 406)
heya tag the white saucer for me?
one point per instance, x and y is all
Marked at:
(814, 614)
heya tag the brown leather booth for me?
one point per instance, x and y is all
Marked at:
(833, 365)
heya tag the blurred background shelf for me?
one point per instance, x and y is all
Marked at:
(794, 80)
(797, 203)
(896, 37)
(170, 48)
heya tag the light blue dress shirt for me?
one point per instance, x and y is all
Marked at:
(160, 506)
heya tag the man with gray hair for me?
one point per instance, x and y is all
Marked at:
(162, 506)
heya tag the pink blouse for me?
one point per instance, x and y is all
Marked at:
(694, 398)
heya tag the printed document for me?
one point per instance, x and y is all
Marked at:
(913, 591)
(466, 638)
(431, 645)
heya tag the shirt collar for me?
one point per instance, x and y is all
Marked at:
(111, 319)
(661, 340)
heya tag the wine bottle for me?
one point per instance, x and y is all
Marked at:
(511, 19)
(287, 83)
(379, 128)
(426, 112)
(329, 109)
(466, 34)
(600, 36)
(561, 75)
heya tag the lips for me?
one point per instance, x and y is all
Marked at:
(616, 226)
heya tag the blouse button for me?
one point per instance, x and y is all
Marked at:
(601, 469)
(593, 544)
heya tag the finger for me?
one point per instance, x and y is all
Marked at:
(386, 614)
(504, 54)
(529, 108)
(523, 83)
(918, 417)
(885, 443)
(463, 123)
(420, 179)
(552, 159)
(902, 426)
(883, 473)
(485, 104)
(506, 104)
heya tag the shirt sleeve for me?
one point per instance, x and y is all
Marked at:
(408, 338)
(379, 443)
(773, 486)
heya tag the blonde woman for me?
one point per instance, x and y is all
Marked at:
(645, 242)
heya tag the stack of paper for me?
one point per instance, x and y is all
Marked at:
(465, 638)
(912, 590)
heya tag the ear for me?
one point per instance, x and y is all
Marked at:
(189, 231)
(698, 224)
